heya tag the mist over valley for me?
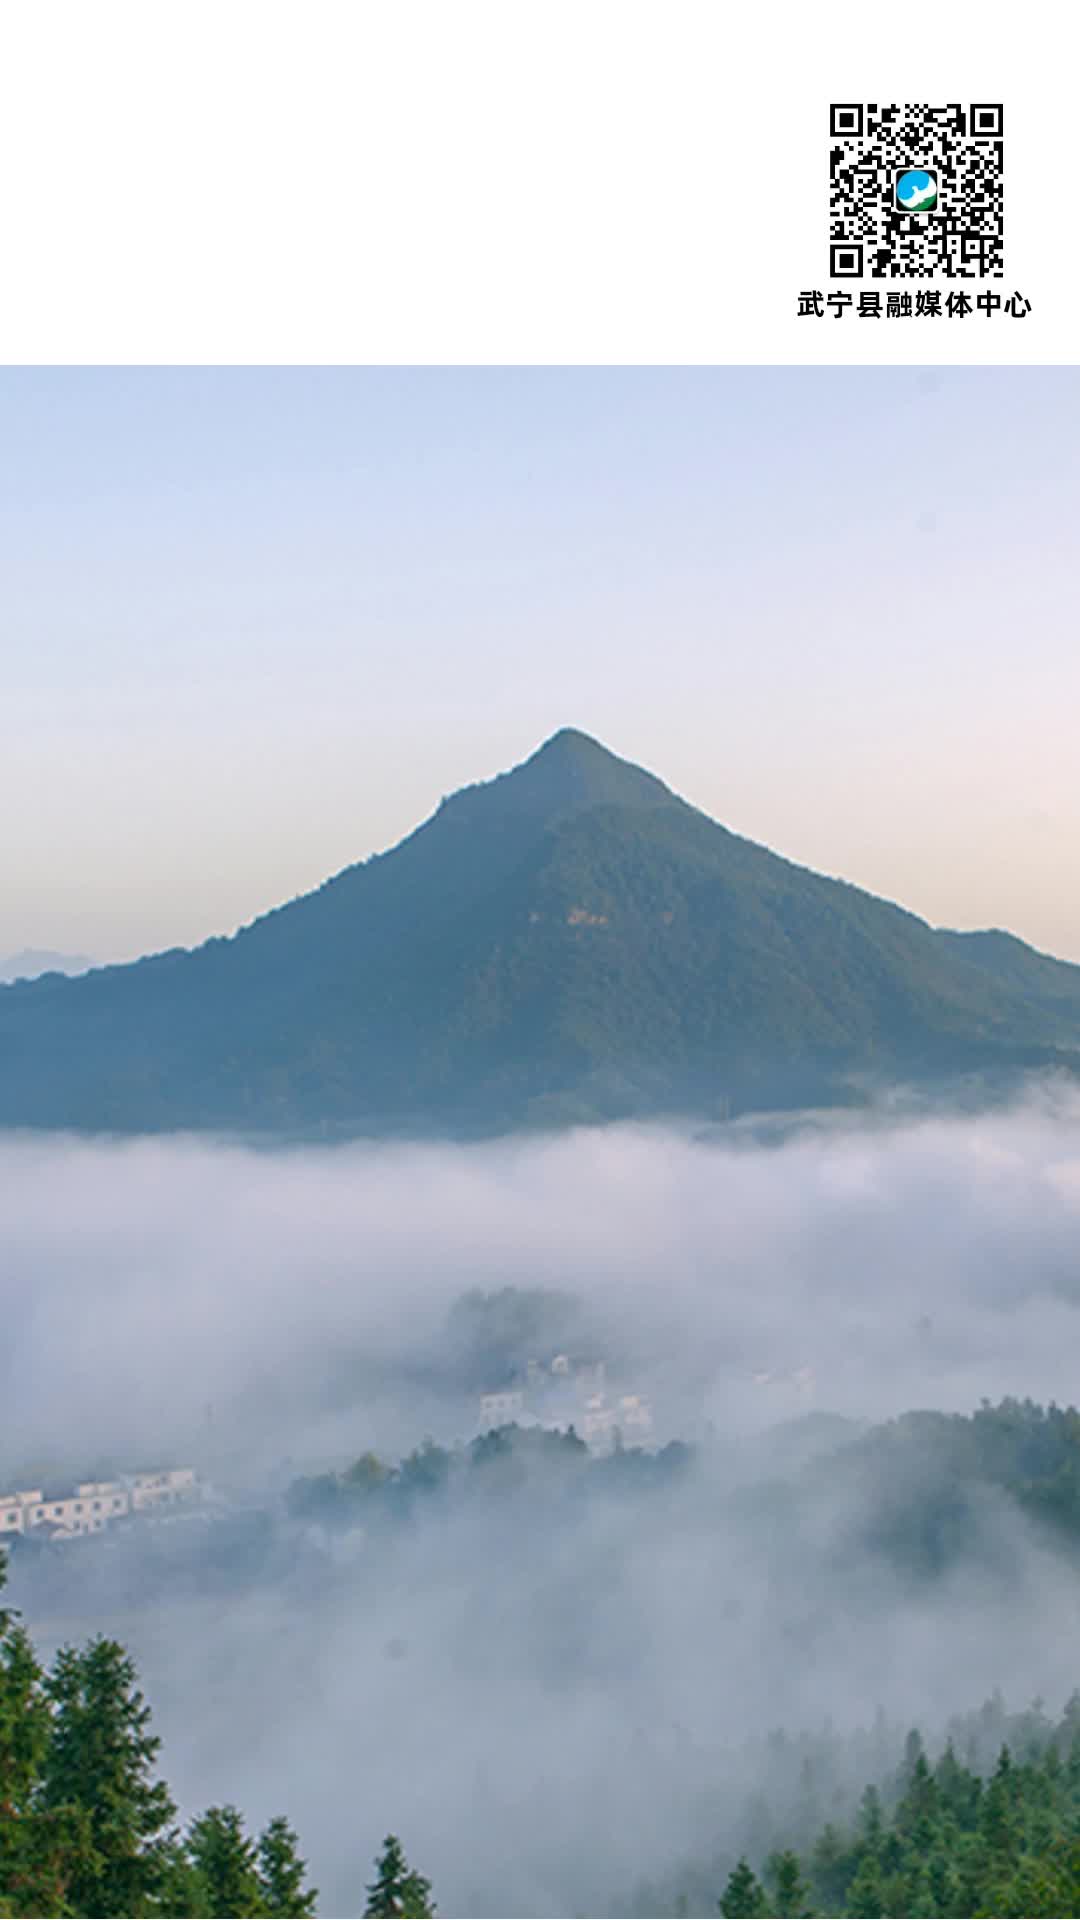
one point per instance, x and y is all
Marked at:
(579, 1655)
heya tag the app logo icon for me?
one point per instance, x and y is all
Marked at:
(916, 190)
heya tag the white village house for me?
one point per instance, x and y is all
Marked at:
(95, 1503)
(497, 1407)
(565, 1390)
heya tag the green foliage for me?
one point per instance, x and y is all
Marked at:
(85, 1828)
(224, 1859)
(282, 1873)
(830, 1868)
(181, 1890)
(396, 1888)
(506, 1460)
(24, 1720)
(925, 1488)
(951, 1844)
(744, 1896)
(787, 1884)
(99, 1759)
(365, 1475)
(931, 1475)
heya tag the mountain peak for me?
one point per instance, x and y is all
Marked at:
(571, 742)
(567, 941)
(578, 772)
(569, 774)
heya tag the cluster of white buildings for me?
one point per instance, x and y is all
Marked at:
(629, 1416)
(95, 1504)
(563, 1392)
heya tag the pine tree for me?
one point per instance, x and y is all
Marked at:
(50, 1851)
(866, 1896)
(870, 1817)
(830, 1869)
(1034, 1891)
(996, 1819)
(744, 1896)
(913, 1753)
(396, 1889)
(953, 1781)
(24, 1740)
(942, 1883)
(99, 1760)
(39, 1850)
(788, 1886)
(281, 1873)
(24, 1713)
(224, 1859)
(919, 1902)
(1069, 1729)
(182, 1893)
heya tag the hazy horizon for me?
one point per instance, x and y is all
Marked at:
(264, 620)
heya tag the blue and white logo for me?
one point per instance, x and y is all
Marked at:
(916, 191)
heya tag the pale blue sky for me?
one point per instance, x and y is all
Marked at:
(256, 623)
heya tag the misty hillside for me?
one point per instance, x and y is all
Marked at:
(926, 1523)
(568, 941)
(589, 1674)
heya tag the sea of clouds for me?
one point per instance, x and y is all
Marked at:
(545, 1713)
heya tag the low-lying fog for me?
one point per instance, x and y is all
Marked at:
(546, 1702)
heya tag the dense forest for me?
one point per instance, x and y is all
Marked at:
(990, 1826)
(945, 1840)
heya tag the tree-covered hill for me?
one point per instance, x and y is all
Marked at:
(567, 941)
(944, 1839)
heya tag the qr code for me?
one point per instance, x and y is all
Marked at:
(916, 191)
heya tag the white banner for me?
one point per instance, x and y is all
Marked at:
(493, 182)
